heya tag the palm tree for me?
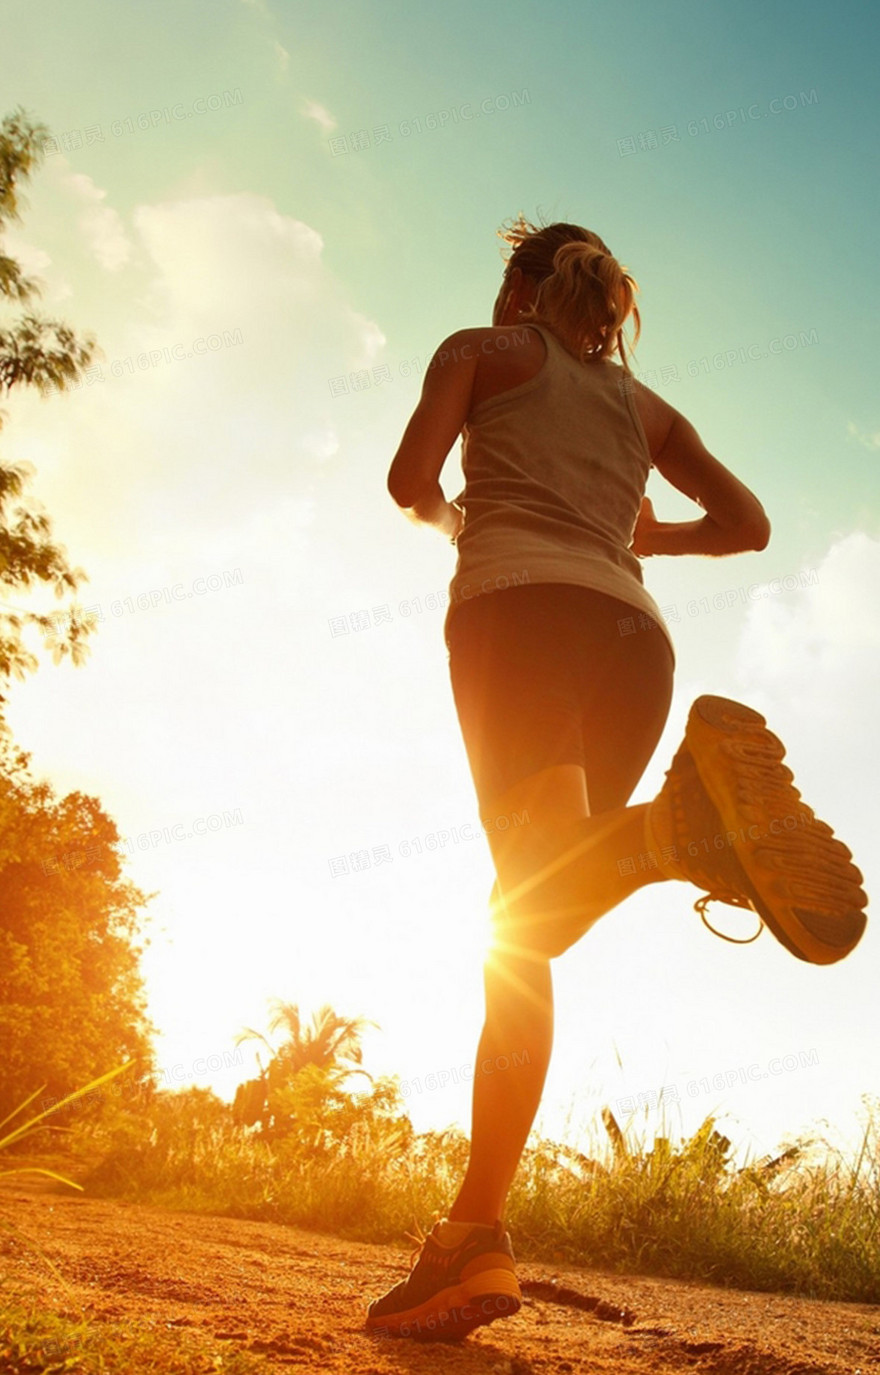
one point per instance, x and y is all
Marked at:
(329, 1042)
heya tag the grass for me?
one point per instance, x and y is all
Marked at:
(30, 1126)
(32, 1341)
(807, 1223)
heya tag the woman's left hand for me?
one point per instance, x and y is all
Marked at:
(646, 523)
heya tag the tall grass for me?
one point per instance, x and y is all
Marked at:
(14, 1136)
(807, 1223)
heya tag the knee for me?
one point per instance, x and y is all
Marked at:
(538, 910)
(538, 945)
(535, 931)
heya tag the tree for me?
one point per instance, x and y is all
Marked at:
(330, 1044)
(72, 1002)
(317, 1114)
(45, 354)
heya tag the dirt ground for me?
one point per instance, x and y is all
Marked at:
(299, 1299)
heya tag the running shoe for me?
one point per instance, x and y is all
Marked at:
(453, 1285)
(730, 820)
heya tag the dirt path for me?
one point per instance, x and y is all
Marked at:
(299, 1299)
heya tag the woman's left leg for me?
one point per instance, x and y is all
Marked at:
(563, 868)
(516, 1041)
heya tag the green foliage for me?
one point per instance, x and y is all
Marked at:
(27, 1128)
(45, 354)
(34, 1342)
(301, 1087)
(71, 994)
(800, 1223)
(185, 1149)
(154, 1141)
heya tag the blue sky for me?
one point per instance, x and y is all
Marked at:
(283, 210)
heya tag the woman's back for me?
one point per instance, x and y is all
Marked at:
(503, 365)
(555, 459)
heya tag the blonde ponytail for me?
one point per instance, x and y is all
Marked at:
(584, 295)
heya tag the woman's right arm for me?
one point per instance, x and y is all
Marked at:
(735, 520)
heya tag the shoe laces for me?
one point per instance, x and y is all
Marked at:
(733, 901)
(420, 1238)
(678, 786)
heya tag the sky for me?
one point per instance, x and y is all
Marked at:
(269, 215)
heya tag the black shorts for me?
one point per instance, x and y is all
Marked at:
(545, 674)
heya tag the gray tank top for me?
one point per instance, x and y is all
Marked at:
(555, 471)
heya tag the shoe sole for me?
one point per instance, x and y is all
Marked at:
(800, 878)
(455, 1312)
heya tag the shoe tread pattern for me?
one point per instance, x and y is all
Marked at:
(803, 882)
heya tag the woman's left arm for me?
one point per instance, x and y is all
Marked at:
(436, 423)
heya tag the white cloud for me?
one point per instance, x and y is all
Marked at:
(36, 263)
(787, 635)
(283, 56)
(320, 443)
(228, 263)
(101, 225)
(32, 260)
(322, 116)
(870, 441)
(197, 466)
(214, 255)
(216, 407)
(809, 659)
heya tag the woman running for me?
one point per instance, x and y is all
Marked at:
(561, 668)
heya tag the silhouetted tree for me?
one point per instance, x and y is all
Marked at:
(45, 354)
(329, 1043)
